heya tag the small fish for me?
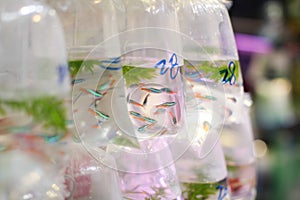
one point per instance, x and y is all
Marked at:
(137, 115)
(135, 103)
(142, 128)
(98, 113)
(206, 126)
(210, 98)
(76, 81)
(160, 110)
(166, 104)
(146, 100)
(92, 92)
(150, 120)
(53, 139)
(168, 90)
(164, 131)
(200, 96)
(232, 99)
(105, 85)
(173, 118)
(98, 125)
(152, 90)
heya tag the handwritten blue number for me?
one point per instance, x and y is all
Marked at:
(229, 74)
(164, 69)
(162, 63)
(222, 194)
(174, 63)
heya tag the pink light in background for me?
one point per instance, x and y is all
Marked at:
(253, 44)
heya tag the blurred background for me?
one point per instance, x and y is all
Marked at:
(268, 38)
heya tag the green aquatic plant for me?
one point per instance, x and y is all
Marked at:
(212, 71)
(84, 65)
(135, 75)
(125, 141)
(159, 194)
(47, 110)
(199, 191)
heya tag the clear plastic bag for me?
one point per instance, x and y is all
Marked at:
(87, 176)
(30, 169)
(237, 142)
(34, 73)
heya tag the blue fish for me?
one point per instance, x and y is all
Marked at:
(76, 81)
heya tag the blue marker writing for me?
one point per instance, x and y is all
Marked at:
(164, 67)
(222, 193)
(229, 74)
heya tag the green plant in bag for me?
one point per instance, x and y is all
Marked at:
(47, 110)
(84, 65)
(213, 70)
(199, 191)
(134, 75)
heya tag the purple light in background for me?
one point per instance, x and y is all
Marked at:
(253, 44)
